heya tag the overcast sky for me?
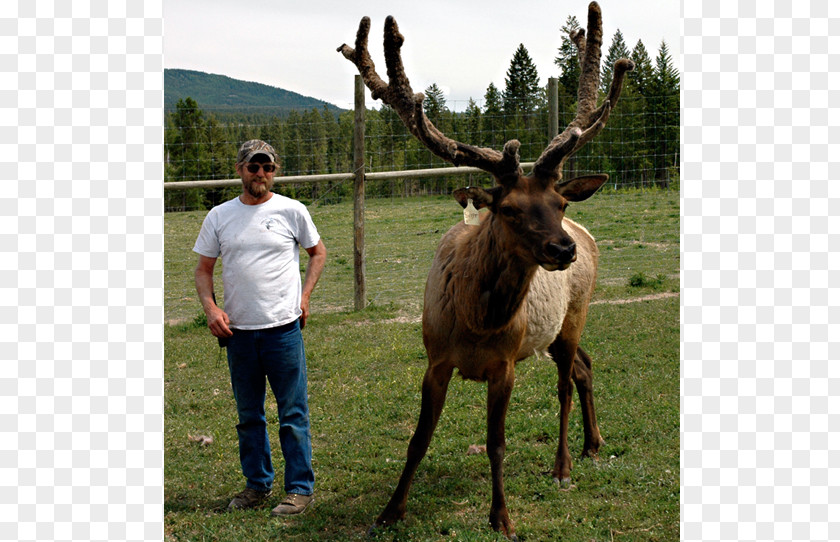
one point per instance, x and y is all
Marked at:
(462, 46)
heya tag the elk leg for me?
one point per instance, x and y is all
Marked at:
(563, 352)
(435, 384)
(582, 375)
(498, 397)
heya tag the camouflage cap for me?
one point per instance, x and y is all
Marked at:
(251, 148)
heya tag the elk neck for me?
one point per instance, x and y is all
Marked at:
(493, 280)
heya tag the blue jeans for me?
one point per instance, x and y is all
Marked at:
(278, 355)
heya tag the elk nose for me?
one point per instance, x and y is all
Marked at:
(561, 253)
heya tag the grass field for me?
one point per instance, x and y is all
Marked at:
(365, 370)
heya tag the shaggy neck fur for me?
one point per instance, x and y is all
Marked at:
(495, 279)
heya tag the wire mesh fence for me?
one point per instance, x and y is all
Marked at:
(638, 147)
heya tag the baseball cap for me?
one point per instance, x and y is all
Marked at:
(253, 147)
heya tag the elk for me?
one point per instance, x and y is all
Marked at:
(519, 282)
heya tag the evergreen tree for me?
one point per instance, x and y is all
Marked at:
(666, 77)
(642, 75)
(665, 101)
(315, 143)
(642, 135)
(435, 103)
(435, 107)
(522, 84)
(493, 120)
(392, 147)
(472, 123)
(293, 145)
(188, 150)
(186, 154)
(273, 132)
(332, 134)
(569, 64)
(221, 153)
(617, 50)
(344, 142)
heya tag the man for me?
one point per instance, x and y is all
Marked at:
(258, 235)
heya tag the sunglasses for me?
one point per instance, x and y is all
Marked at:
(268, 168)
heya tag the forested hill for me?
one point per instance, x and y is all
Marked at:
(219, 93)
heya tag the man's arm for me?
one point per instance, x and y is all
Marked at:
(317, 260)
(217, 319)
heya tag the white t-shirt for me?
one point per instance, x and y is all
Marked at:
(259, 246)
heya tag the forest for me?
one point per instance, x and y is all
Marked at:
(639, 146)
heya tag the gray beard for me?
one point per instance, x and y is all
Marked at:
(258, 190)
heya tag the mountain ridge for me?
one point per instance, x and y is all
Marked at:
(220, 93)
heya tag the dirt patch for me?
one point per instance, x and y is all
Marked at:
(635, 299)
(633, 244)
(417, 319)
(396, 320)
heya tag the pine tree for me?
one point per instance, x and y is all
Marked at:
(294, 134)
(435, 107)
(472, 122)
(617, 50)
(665, 89)
(221, 153)
(642, 75)
(186, 154)
(522, 84)
(315, 144)
(667, 77)
(493, 119)
(189, 145)
(331, 130)
(569, 64)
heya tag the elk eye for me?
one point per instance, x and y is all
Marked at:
(508, 211)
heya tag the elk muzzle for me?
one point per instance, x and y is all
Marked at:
(560, 255)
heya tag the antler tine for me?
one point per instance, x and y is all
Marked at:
(360, 56)
(590, 63)
(398, 94)
(589, 120)
(579, 39)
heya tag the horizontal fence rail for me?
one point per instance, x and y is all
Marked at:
(341, 177)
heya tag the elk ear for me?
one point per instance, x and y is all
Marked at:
(482, 197)
(580, 188)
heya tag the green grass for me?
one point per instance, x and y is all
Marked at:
(365, 370)
(637, 232)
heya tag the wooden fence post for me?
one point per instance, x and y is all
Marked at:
(359, 194)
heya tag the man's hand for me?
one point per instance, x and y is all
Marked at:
(217, 319)
(218, 322)
(317, 260)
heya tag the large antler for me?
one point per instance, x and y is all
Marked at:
(397, 93)
(589, 120)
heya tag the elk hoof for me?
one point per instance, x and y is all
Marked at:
(380, 525)
(590, 454)
(564, 483)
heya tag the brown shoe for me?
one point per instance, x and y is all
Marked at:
(249, 498)
(294, 503)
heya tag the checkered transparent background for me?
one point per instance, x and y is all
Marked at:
(759, 319)
(81, 261)
(82, 249)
